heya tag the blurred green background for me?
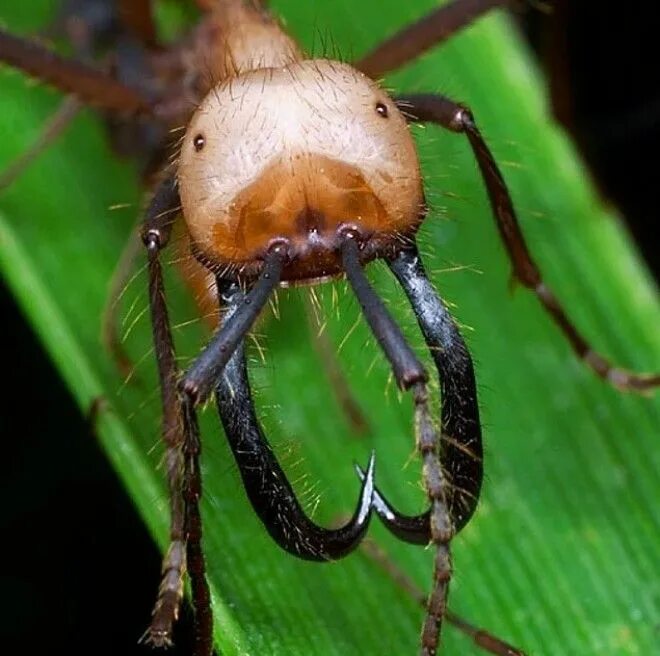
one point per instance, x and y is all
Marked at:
(562, 555)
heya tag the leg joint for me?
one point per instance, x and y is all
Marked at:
(153, 239)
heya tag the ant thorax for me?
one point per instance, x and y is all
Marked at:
(297, 154)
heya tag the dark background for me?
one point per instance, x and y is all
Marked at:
(91, 586)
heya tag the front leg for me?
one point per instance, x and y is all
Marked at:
(89, 85)
(410, 375)
(430, 31)
(434, 108)
(137, 17)
(181, 437)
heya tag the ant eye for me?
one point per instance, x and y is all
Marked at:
(198, 142)
(382, 109)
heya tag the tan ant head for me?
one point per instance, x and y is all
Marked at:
(298, 154)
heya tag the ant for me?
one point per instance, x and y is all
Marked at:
(296, 171)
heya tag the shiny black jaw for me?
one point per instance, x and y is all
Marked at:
(266, 485)
(414, 529)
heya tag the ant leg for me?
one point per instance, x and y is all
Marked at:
(265, 483)
(180, 434)
(429, 31)
(85, 26)
(481, 638)
(453, 116)
(72, 77)
(55, 125)
(461, 448)
(201, 377)
(410, 374)
(195, 563)
(137, 17)
(156, 232)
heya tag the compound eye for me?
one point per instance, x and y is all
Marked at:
(199, 142)
(381, 109)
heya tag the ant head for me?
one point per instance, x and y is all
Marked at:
(298, 155)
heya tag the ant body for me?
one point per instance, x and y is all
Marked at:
(296, 171)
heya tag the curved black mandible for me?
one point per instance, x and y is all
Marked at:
(461, 449)
(267, 487)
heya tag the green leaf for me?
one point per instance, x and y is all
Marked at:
(562, 554)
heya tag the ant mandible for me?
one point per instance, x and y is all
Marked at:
(299, 170)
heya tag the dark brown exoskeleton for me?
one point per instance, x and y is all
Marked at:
(296, 170)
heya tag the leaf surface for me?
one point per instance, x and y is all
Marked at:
(561, 557)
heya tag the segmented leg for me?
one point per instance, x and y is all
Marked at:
(156, 233)
(202, 375)
(429, 31)
(195, 562)
(137, 17)
(180, 436)
(89, 26)
(481, 638)
(89, 85)
(461, 449)
(410, 375)
(453, 116)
